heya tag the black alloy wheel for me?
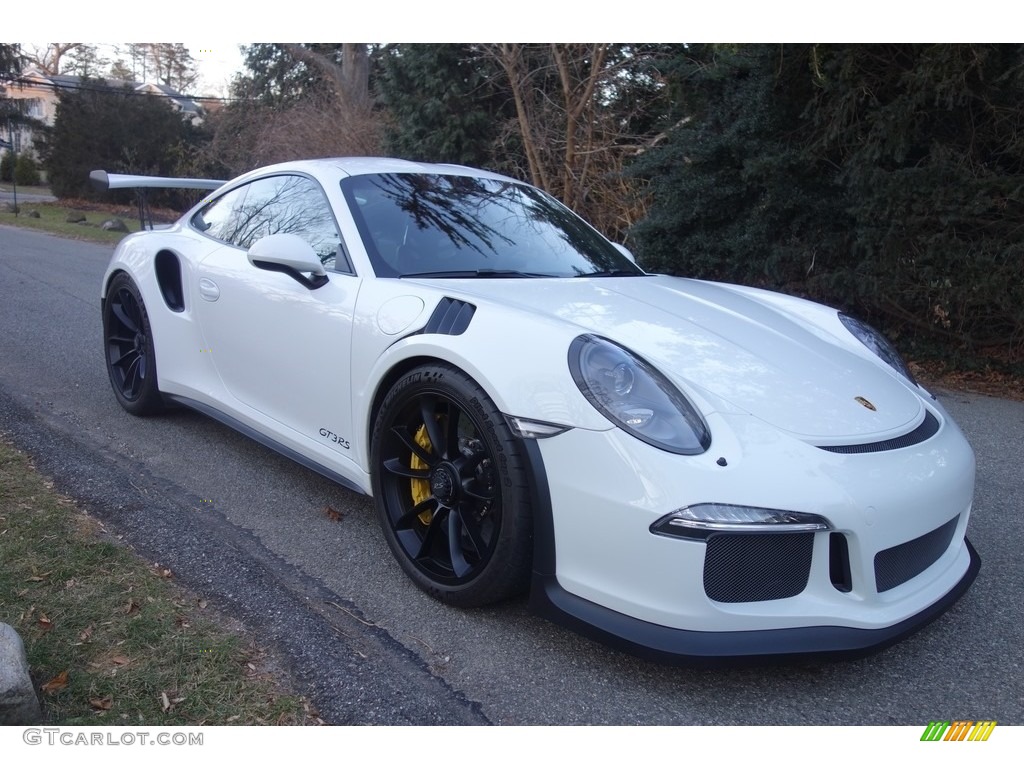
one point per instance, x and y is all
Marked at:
(451, 488)
(130, 353)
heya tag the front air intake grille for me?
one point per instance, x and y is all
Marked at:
(903, 562)
(924, 430)
(744, 568)
(450, 317)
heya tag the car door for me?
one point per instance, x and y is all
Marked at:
(281, 348)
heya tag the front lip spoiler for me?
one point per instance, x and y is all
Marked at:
(729, 649)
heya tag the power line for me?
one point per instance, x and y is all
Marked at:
(126, 88)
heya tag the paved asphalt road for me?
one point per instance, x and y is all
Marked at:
(247, 529)
(7, 196)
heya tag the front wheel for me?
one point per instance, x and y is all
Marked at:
(450, 488)
(128, 344)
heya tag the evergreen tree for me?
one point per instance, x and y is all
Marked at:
(444, 104)
(118, 131)
(735, 195)
(886, 179)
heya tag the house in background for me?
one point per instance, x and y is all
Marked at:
(40, 93)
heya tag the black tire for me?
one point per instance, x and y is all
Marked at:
(128, 349)
(450, 488)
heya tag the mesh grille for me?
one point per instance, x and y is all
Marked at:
(903, 562)
(924, 430)
(743, 568)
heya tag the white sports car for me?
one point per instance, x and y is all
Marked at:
(686, 470)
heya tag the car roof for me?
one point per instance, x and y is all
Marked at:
(359, 166)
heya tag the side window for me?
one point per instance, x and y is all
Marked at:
(273, 205)
(219, 218)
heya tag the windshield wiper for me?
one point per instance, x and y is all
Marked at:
(455, 273)
(616, 273)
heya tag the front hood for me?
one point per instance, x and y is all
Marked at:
(741, 355)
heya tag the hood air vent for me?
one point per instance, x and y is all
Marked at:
(926, 429)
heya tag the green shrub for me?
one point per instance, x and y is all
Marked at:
(26, 171)
(6, 166)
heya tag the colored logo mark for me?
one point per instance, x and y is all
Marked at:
(958, 730)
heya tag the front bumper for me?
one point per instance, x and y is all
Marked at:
(601, 571)
(695, 648)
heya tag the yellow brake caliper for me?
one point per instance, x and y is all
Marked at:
(420, 487)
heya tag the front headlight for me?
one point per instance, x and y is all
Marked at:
(636, 397)
(878, 344)
(699, 521)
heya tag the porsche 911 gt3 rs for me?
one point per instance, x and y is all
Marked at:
(687, 470)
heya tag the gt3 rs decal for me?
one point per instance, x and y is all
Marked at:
(335, 439)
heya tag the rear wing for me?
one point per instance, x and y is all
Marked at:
(104, 181)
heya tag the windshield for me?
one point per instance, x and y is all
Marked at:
(466, 226)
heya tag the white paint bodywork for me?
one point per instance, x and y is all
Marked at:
(774, 378)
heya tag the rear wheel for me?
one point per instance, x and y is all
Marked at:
(450, 487)
(130, 354)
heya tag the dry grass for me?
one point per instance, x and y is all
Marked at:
(111, 639)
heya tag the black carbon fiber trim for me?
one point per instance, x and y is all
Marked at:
(450, 317)
(745, 568)
(924, 430)
(903, 562)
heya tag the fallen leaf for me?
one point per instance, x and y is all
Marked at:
(131, 607)
(105, 703)
(201, 603)
(44, 622)
(165, 703)
(85, 634)
(120, 660)
(332, 513)
(166, 573)
(59, 683)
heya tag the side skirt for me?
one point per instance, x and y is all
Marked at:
(262, 439)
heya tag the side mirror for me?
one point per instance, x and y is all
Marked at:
(625, 252)
(288, 253)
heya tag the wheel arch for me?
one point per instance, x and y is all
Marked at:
(110, 277)
(392, 376)
(544, 552)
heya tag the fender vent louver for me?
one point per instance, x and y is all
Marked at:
(451, 317)
(926, 429)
